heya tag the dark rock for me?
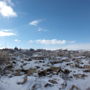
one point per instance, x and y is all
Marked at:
(66, 71)
(42, 73)
(48, 85)
(53, 81)
(87, 70)
(80, 75)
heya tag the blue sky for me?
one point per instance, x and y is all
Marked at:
(50, 24)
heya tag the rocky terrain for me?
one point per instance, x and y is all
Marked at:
(44, 69)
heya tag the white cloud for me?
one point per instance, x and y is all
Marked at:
(77, 46)
(31, 41)
(48, 42)
(4, 33)
(35, 22)
(52, 42)
(6, 10)
(17, 40)
(63, 44)
(71, 42)
(41, 29)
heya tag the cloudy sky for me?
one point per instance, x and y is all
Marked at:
(49, 24)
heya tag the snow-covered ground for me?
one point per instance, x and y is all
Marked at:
(62, 73)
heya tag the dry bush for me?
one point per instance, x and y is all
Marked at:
(86, 53)
(4, 57)
(4, 61)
